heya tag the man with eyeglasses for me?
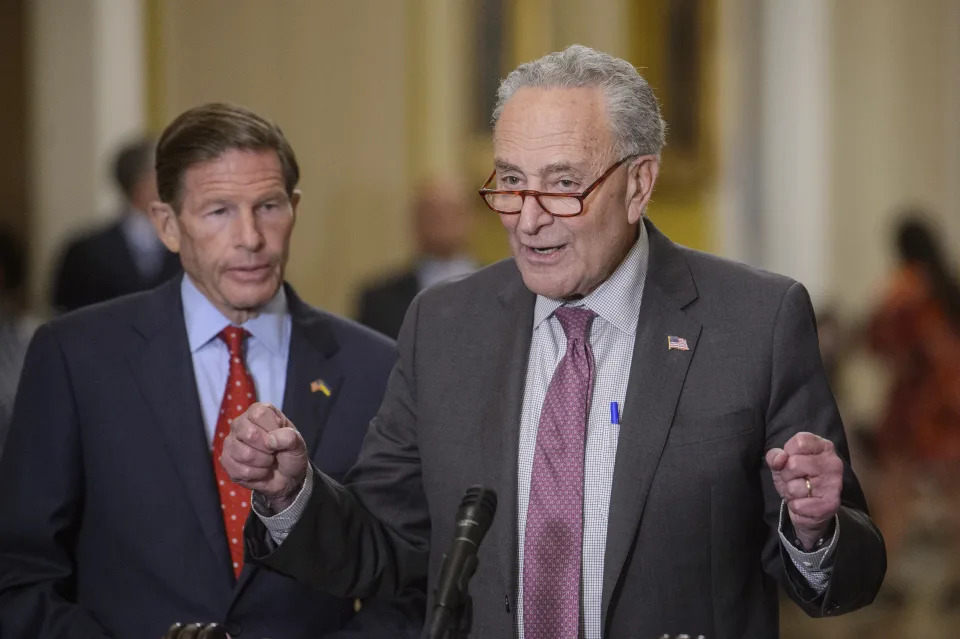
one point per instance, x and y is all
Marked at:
(656, 421)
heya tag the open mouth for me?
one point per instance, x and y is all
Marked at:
(546, 251)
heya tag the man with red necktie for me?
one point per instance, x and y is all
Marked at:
(117, 519)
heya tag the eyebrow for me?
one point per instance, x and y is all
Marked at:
(555, 167)
(212, 201)
(503, 165)
(279, 194)
(560, 167)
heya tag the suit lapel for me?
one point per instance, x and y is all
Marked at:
(656, 378)
(163, 369)
(501, 421)
(313, 378)
(311, 375)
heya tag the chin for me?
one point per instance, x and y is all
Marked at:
(545, 287)
(253, 297)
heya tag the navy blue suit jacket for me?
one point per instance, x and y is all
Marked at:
(110, 521)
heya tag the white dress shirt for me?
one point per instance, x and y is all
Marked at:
(617, 305)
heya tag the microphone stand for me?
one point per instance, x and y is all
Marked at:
(457, 623)
(462, 620)
(452, 615)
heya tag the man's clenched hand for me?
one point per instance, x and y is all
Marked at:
(808, 474)
(265, 453)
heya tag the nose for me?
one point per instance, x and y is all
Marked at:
(532, 216)
(249, 234)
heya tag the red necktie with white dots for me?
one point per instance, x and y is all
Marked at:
(240, 393)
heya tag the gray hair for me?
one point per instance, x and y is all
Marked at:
(632, 108)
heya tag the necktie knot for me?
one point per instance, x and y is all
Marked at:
(575, 321)
(233, 336)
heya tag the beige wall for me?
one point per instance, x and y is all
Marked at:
(896, 132)
(895, 129)
(85, 89)
(373, 95)
(332, 74)
(887, 116)
(400, 112)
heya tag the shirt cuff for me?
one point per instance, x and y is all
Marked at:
(280, 524)
(815, 566)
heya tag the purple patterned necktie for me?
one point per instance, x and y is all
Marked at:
(552, 545)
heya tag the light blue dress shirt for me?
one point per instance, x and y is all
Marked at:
(266, 350)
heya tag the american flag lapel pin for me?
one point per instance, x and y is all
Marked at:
(321, 386)
(675, 343)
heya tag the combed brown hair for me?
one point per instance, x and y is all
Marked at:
(205, 133)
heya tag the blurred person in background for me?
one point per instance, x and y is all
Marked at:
(916, 330)
(124, 257)
(442, 224)
(15, 327)
(116, 521)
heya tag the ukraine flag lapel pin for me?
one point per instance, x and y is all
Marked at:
(318, 385)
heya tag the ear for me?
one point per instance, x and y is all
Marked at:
(295, 202)
(164, 220)
(642, 174)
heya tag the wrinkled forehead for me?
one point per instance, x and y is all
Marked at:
(554, 123)
(233, 173)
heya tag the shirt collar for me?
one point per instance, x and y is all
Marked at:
(617, 299)
(204, 321)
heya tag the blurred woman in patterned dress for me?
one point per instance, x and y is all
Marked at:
(916, 331)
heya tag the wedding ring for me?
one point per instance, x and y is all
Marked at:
(809, 488)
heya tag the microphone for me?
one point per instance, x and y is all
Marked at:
(460, 562)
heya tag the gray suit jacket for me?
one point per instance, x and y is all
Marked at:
(692, 544)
